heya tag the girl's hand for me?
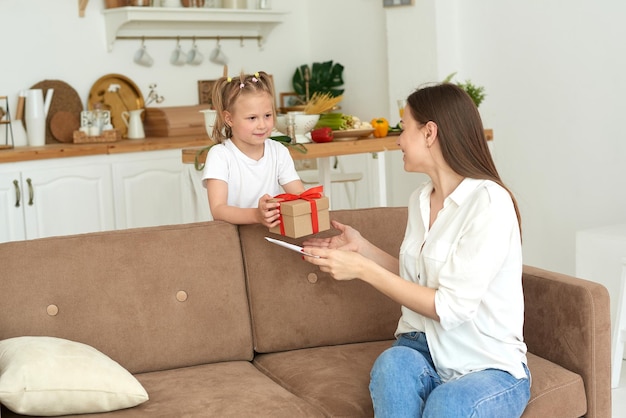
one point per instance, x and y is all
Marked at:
(349, 240)
(268, 212)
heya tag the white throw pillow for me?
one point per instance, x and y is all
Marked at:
(51, 376)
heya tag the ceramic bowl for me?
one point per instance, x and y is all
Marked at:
(209, 120)
(303, 124)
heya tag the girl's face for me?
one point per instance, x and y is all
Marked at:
(251, 119)
(414, 141)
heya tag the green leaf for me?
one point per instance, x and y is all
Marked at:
(324, 77)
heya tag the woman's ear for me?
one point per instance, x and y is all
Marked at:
(431, 132)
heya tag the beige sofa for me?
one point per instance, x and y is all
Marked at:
(213, 320)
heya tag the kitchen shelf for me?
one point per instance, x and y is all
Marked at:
(182, 22)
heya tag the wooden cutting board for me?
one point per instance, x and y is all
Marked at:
(63, 124)
(64, 99)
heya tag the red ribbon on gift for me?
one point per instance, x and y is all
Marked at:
(309, 195)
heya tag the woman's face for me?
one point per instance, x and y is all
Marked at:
(251, 118)
(414, 143)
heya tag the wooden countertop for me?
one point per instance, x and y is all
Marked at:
(79, 150)
(328, 149)
(190, 146)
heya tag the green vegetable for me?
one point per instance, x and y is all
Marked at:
(335, 121)
(281, 138)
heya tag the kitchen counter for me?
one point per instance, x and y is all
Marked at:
(63, 150)
(324, 151)
(328, 149)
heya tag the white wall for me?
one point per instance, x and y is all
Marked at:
(554, 74)
(46, 40)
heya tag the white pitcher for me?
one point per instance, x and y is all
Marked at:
(35, 115)
(133, 121)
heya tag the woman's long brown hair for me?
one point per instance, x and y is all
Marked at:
(460, 132)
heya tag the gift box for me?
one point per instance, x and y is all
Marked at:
(302, 215)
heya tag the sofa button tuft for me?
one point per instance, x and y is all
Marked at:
(181, 296)
(312, 278)
(52, 310)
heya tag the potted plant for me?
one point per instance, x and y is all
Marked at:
(322, 78)
(477, 93)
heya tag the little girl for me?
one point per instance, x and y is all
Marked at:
(246, 168)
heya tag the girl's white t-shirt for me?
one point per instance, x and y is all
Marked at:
(249, 179)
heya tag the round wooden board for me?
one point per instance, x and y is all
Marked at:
(63, 124)
(64, 99)
(116, 93)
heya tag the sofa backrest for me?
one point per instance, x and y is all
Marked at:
(150, 298)
(295, 305)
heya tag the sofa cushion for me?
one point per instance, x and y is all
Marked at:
(295, 305)
(151, 298)
(552, 388)
(229, 389)
(52, 376)
(334, 379)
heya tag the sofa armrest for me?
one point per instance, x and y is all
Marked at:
(567, 321)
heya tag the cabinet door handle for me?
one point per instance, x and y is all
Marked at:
(31, 193)
(18, 195)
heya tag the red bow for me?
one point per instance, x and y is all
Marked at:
(310, 195)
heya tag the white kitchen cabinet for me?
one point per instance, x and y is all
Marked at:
(151, 188)
(11, 206)
(55, 197)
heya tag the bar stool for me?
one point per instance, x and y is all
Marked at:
(619, 330)
(310, 175)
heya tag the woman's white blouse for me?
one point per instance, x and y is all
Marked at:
(472, 255)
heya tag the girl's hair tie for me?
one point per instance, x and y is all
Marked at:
(229, 79)
(241, 85)
(255, 78)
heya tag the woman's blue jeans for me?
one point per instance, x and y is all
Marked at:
(404, 383)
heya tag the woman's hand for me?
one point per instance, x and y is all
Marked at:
(340, 264)
(349, 240)
(268, 212)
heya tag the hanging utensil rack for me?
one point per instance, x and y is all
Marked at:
(189, 23)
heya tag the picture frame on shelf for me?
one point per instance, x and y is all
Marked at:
(205, 91)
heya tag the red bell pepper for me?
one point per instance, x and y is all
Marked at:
(324, 134)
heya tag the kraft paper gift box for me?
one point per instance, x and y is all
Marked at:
(297, 217)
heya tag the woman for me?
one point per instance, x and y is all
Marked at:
(459, 350)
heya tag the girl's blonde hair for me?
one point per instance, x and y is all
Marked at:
(227, 90)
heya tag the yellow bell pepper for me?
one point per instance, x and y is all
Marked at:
(381, 127)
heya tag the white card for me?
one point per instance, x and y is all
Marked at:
(292, 247)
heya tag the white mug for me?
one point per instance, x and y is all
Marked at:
(218, 57)
(194, 57)
(178, 56)
(142, 57)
